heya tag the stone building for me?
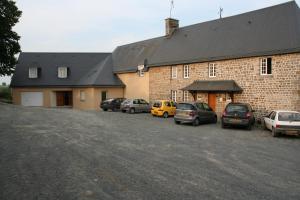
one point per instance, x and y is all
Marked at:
(252, 57)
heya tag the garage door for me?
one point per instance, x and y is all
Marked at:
(32, 98)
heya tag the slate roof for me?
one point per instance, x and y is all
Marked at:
(268, 31)
(214, 86)
(126, 58)
(86, 69)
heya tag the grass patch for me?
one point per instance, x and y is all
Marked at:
(5, 94)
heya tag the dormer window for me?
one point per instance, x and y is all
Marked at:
(33, 72)
(62, 72)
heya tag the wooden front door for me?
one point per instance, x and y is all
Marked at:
(60, 99)
(212, 101)
(64, 98)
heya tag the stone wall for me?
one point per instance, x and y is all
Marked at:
(281, 90)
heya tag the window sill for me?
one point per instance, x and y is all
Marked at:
(266, 75)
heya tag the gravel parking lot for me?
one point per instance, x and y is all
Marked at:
(70, 154)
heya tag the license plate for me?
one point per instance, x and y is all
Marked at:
(291, 132)
(235, 120)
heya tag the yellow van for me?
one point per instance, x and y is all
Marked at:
(163, 108)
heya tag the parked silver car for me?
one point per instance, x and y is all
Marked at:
(135, 105)
(195, 113)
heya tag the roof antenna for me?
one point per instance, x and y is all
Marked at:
(220, 12)
(171, 8)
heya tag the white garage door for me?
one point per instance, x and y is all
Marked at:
(32, 99)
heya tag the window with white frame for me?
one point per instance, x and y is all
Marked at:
(174, 72)
(185, 96)
(186, 71)
(33, 72)
(212, 70)
(266, 66)
(62, 72)
(82, 95)
(174, 95)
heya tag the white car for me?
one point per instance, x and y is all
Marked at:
(283, 122)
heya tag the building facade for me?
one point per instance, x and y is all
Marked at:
(278, 88)
(253, 58)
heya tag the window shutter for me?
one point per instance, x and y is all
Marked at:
(68, 71)
(269, 66)
(39, 72)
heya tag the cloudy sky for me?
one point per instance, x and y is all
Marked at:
(101, 25)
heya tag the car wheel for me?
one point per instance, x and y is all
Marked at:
(215, 120)
(131, 111)
(123, 111)
(165, 115)
(274, 133)
(264, 125)
(104, 109)
(223, 125)
(196, 122)
(249, 127)
(177, 122)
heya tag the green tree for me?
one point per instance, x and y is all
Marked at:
(9, 45)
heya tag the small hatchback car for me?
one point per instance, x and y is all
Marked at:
(195, 113)
(283, 122)
(135, 106)
(238, 114)
(163, 108)
(111, 104)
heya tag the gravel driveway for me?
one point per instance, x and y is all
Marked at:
(70, 154)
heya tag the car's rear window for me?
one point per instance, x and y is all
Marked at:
(157, 104)
(185, 106)
(288, 116)
(237, 108)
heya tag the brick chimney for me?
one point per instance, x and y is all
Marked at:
(171, 26)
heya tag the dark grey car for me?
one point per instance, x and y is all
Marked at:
(238, 114)
(135, 105)
(195, 113)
